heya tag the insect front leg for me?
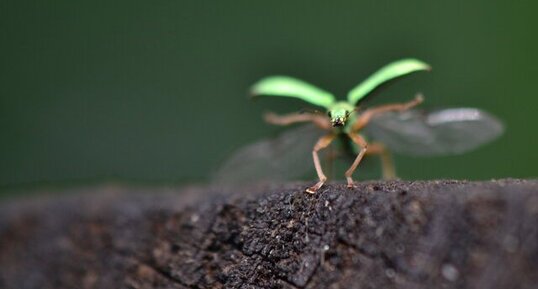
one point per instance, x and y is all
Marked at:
(361, 142)
(387, 165)
(322, 143)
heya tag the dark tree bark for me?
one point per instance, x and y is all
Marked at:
(439, 234)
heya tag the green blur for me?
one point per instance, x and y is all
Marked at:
(156, 91)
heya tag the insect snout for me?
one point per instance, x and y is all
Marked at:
(339, 121)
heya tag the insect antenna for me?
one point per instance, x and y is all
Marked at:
(310, 110)
(358, 108)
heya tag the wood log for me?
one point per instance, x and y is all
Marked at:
(398, 234)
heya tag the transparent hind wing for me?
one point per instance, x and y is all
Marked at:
(443, 132)
(286, 157)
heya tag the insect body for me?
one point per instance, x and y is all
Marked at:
(396, 126)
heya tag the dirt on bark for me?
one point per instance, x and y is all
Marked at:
(400, 234)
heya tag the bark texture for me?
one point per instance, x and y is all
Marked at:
(435, 234)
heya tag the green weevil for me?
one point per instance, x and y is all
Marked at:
(398, 126)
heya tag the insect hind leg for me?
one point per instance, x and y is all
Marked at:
(387, 163)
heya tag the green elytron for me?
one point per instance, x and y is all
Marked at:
(396, 126)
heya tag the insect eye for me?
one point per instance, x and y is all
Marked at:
(347, 113)
(329, 114)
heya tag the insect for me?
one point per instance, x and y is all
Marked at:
(398, 126)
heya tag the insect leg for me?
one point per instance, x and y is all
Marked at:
(366, 116)
(319, 120)
(359, 140)
(322, 143)
(387, 165)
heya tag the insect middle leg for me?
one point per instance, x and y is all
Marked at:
(387, 165)
(361, 142)
(322, 143)
(319, 120)
(366, 116)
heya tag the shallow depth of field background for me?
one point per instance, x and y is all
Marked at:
(156, 92)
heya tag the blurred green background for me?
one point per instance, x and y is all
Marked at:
(155, 91)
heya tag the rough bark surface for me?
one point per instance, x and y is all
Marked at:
(440, 234)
